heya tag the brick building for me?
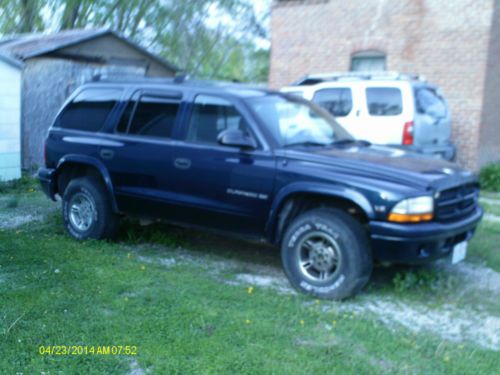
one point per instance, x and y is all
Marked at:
(453, 43)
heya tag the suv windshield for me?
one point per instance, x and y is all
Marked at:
(296, 122)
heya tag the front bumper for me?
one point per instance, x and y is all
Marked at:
(420, 243)
(46, 178)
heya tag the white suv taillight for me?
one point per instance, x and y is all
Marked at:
(408, 133)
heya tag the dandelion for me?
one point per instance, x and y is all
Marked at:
(143, 268)
(334, 322)
(301, 322)
(446, 358)
(248, 321)
(250, 290)
(317, 302)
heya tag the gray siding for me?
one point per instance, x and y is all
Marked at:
(46, 84)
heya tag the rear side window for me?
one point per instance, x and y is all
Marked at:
(384, 101)
(150, 116)
(337, 101)
(89, 110)
(430, 103)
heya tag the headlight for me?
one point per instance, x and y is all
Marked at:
(413, 210)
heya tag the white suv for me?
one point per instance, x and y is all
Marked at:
(384, 108)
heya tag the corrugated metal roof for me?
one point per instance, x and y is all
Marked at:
(26, 46)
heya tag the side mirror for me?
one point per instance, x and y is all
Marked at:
(236, 138)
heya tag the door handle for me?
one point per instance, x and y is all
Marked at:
(182, 163)
(107, 154)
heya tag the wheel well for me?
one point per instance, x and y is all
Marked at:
(300, 203)
(71, 171)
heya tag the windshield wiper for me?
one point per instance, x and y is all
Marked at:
(348, 141)
(307, 143)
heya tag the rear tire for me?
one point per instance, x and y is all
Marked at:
(326, 253)
(87, 211)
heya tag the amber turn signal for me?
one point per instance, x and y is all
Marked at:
(409, 218)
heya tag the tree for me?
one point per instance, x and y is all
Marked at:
(21, 16)
(207, 38)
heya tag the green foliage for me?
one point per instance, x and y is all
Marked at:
(25, 184)
(489, 177)
(12, 202)
(212, 39)
(424, 281)
(419, 280)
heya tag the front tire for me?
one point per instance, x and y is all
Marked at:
(87, 212)
(326, 253)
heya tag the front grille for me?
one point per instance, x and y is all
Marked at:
(457, 202)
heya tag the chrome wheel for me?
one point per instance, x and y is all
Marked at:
(319, 257)
(82, 212)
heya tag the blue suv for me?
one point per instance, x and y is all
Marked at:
(258, 164)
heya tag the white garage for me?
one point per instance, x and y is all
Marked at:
(10, 118)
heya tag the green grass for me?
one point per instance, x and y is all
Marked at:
(25, 184)
(185, 318)
(493, 209)
(485, 245)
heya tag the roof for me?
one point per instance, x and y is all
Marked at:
(237, 89)
(12, 61)
(26, 46)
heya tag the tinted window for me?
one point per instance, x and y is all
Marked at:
(384, 101)
(337, 101)
(430, 103)
(89, 110)
(125, 119)
(212, 115)
(152, 117)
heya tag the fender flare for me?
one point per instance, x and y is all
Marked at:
(93, 162)
(329, 190)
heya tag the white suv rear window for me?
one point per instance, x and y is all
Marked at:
(384, 101)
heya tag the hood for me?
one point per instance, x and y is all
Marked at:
(387, 163)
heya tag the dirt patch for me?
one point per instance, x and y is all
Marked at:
(245, 273)
(448, 322)
(13, 221)
(135, 369)
(490, 201)
(491, 217)
(481, 277)
(280, 284)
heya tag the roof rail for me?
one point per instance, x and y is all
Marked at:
(312, 79)
(120, 78)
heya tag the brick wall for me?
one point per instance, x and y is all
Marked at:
(447, 41)
(489, 144)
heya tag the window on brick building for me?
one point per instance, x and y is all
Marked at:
(368, 61)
